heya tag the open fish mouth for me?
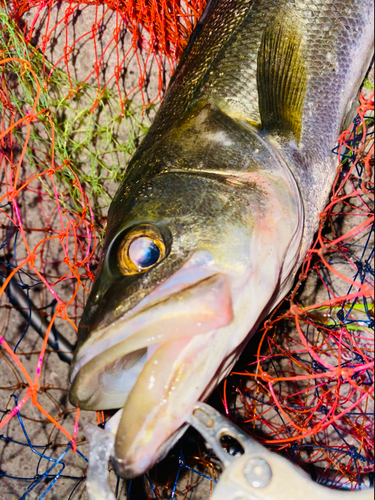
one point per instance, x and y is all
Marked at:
(146, 361)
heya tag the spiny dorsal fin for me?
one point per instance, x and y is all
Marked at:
(281, 79)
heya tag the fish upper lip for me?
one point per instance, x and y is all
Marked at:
(167, 290)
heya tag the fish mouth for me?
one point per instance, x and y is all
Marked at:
(154, 364)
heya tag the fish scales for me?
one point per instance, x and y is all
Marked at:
(222, 64)
(217, 210)
(223, 59)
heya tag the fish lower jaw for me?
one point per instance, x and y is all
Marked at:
(137, 461)
(127, 471)
(104, 373)
(173, 379)
(187, 370)
(134, 468)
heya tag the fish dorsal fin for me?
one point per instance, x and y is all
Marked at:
(281, 79)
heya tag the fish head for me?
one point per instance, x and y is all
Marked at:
(195, 248)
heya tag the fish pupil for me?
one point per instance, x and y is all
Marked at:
(144, 252)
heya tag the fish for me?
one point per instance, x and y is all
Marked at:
(216, 210)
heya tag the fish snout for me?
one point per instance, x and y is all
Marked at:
(156, 364)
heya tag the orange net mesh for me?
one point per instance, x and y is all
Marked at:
(308, 388)
(159, 32)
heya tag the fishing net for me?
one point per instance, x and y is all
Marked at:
(309, 388)
(80, 82)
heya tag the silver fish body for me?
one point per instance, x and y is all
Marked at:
(217, 210)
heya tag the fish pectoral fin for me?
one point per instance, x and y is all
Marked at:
(281, 78)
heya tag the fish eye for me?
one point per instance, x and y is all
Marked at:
(144, 252)
(140, 249)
